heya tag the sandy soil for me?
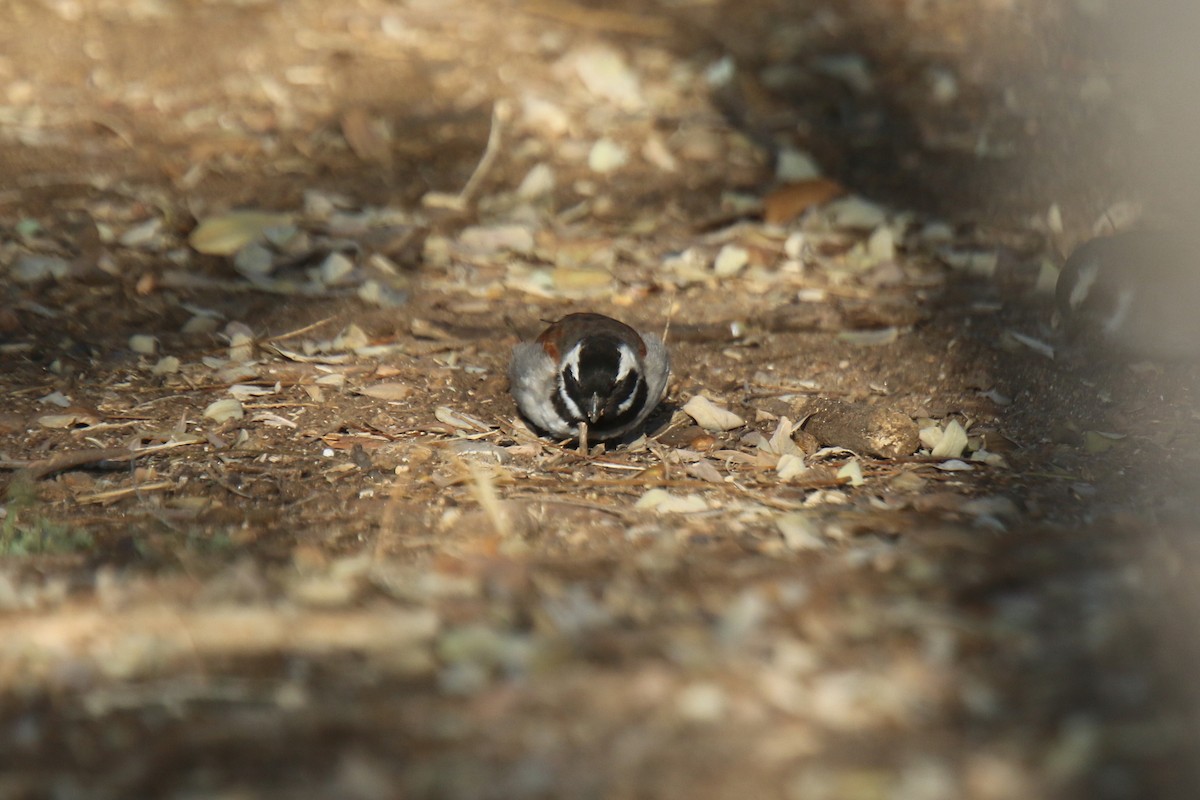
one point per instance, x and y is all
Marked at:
(272, 527)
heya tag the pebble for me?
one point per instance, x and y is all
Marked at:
(143, 344)
(606, 74)
(336, 269)
(33, 268)
(143, 235)
(254, 261)
(537, 183)
(730, 261)
(607, 156)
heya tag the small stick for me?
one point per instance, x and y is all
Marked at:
(300, 331)
(583, 438)
(117, 494)
(36, 470)
(670, 314)
(461, 201)
(500, 113)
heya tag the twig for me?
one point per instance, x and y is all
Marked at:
(616, 512)
(117, 494)
(41, 468)
(484, 489)
(462, 200)
(300, 331)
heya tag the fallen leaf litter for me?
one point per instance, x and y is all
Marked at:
(295, 427)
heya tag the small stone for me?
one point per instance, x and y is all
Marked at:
(143, 235)
(796, 165)
(881, 246)
(56, 399)
(200, 324)
(851, 69)
(143, 344)
(702, 702)
(538, 182)
(943, 85)
(167, 365)
(33, 268)
(607, 156)
(488, 240)
(855, 212)
(608, 76)
(544, 117)
(254, 261)
(731, 260)
(336, 269)
(655, 151)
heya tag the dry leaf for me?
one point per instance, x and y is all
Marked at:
(388, 391)
(781, 442)
(225, 234)
(575, 279)
(790, 200)
(952, 442)
(352, 338)
(704, 471)
(790, 466)
(167, 365)
(666, 503)
(243, 391)
(224, 410)
(456, 419)
(711, 416)
(853, 471)
(1100, 441)
(799, 531)
(368, 136)
(60, 421)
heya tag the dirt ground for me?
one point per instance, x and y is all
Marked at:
(272, 527)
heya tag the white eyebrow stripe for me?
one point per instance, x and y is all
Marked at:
(627, 364)
(571, 361)
(1124, 303)
(1083, 284)
(571, 405)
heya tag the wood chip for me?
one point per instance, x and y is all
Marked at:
(790, 200)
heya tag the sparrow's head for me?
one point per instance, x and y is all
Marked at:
(600, 382)
(1133, 294)
(589, 376)
(1089, 298)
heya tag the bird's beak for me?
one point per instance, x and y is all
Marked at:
(595, 407)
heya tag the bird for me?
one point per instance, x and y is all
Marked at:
(588, 375)
(1133, 294)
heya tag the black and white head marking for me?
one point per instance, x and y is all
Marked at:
(588, 375)
(600, 383)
